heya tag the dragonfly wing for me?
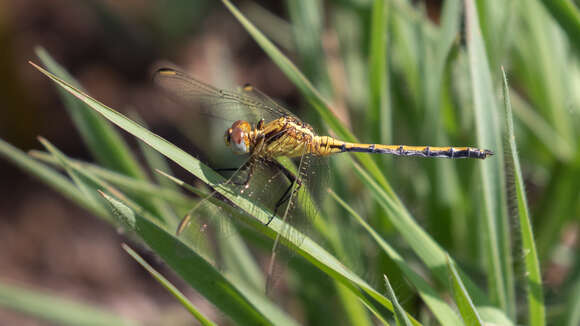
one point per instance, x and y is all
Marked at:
(246, 104)
(298, 213)
(214, 215)
(268, 103)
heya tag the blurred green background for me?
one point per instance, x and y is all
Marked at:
(419, 93)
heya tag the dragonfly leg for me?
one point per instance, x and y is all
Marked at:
(287, 194)
(247, 166)
(227, 169)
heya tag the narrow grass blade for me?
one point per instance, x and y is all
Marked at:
(551, 139)
(536, 309)
(101, 139)
(201, 275)
(379, 116)
(238, 260)
(125, 183)
(462, 298)
(51, 177)
(400, 316)
(87, 191)
(442, 311)
(354, 312)
(154, 160)
(375, 313)
(446, 195)
(307, 18)
(308, 248)
(496, 231)
(270, 308)
(567, 15)
(497, 19)
(572, 317)
(89, 184)
(55, 309)
(278, 29)
(169, 287)
(412, 14)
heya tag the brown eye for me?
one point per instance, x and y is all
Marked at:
(237, 141)
(237, 136)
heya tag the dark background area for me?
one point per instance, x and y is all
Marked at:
(47, 242)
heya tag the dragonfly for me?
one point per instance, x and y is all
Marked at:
(267, 132)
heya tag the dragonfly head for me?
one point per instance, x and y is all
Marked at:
(238, 137)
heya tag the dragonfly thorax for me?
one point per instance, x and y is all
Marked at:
(237, 137)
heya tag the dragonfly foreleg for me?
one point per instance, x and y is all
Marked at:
(249, 166)
(227, 169)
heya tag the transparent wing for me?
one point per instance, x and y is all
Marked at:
(268, 102)
(214, 217)
(298, 214)
(248, 103)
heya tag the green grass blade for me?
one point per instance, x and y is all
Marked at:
(536, 309)
(196, 271)
(442, 311)
(354, 312)
(462, 299)
(307, 18)
(272, 25)
(496, 225)
(379, 117)
(154, 160)
(270, 309)
(125, 183)
(414, 15)
(101, 138)
(55, 309)
(86, 190)
(400, 315)
(375, 313)
(258, 217)
(446, 195)
(567, 15)
(169, 287)
(551, 139)
(50, 177)
(88, 184)
(572, 317)
(238, 260)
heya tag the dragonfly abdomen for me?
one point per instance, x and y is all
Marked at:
(327, 145)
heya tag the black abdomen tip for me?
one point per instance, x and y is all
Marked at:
(484, 153)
